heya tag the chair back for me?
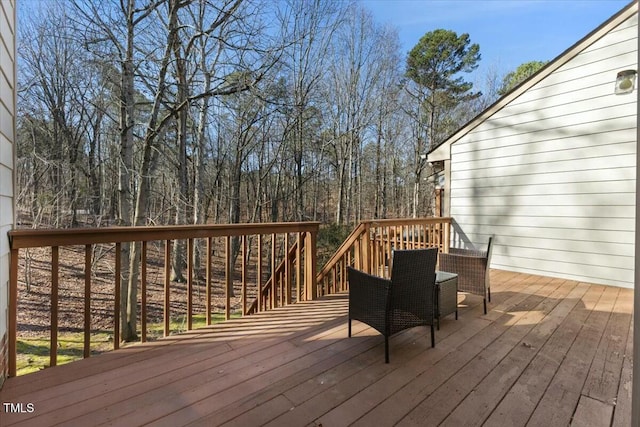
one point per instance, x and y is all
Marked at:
(413, 276)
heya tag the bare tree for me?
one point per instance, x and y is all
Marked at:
(355, 73)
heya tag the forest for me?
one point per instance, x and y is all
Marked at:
(166, 112)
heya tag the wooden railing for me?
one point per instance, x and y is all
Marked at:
(281, 258)
(290, 266)
(278, 289)
(369, 248)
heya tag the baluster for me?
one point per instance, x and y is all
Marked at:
(167, 287)
(299, 267)
(228, 279)
(244, 274)
(208, 279)
(189, 284)
(259, 274)
(116, 304)
(287, 270)
(274, 296)
(53, 351)
(143, 291)
(87, 301)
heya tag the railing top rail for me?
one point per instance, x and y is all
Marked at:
(349, 241)
(407, 221)
(28, 238)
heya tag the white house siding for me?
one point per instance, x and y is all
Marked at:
(7, 133)
(552, 173)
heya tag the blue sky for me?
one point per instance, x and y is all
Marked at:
(509, 32)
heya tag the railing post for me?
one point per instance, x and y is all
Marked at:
(366, 248)
(310, 260)
(13, 311)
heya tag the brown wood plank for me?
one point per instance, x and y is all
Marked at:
(458, 333)
(561, 397)
(427, 373)
(256, 417)
(604, 374)
(293, 374)
(314, 398)
(398, 403)
(592, 412)
(210, 391)
(545, 347)
(488, 393)
(207, 377)
(403, 371)
(622, 410)
(443, 400)
(163, 348)
(520, 402)
(128, 387)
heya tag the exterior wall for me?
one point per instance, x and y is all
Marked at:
(552, 173)
(7, 156)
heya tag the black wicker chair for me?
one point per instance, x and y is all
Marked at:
(472, 268)
(405, 301)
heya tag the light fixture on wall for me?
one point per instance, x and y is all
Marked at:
(625, 81)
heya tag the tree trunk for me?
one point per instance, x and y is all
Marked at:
(125, 167)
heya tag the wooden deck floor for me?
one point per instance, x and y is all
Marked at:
(550, 352)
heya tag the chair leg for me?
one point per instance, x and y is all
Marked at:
(386, 349)
(484, 303)
(349, 328)
(433, 339)
(489, 292)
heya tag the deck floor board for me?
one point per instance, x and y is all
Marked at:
(548, 352)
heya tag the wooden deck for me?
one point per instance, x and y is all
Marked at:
(550, 352)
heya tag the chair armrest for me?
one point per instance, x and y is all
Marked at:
(366, 288)
(368, 298)
(468, 252)
(471, 271)
(455, 263)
